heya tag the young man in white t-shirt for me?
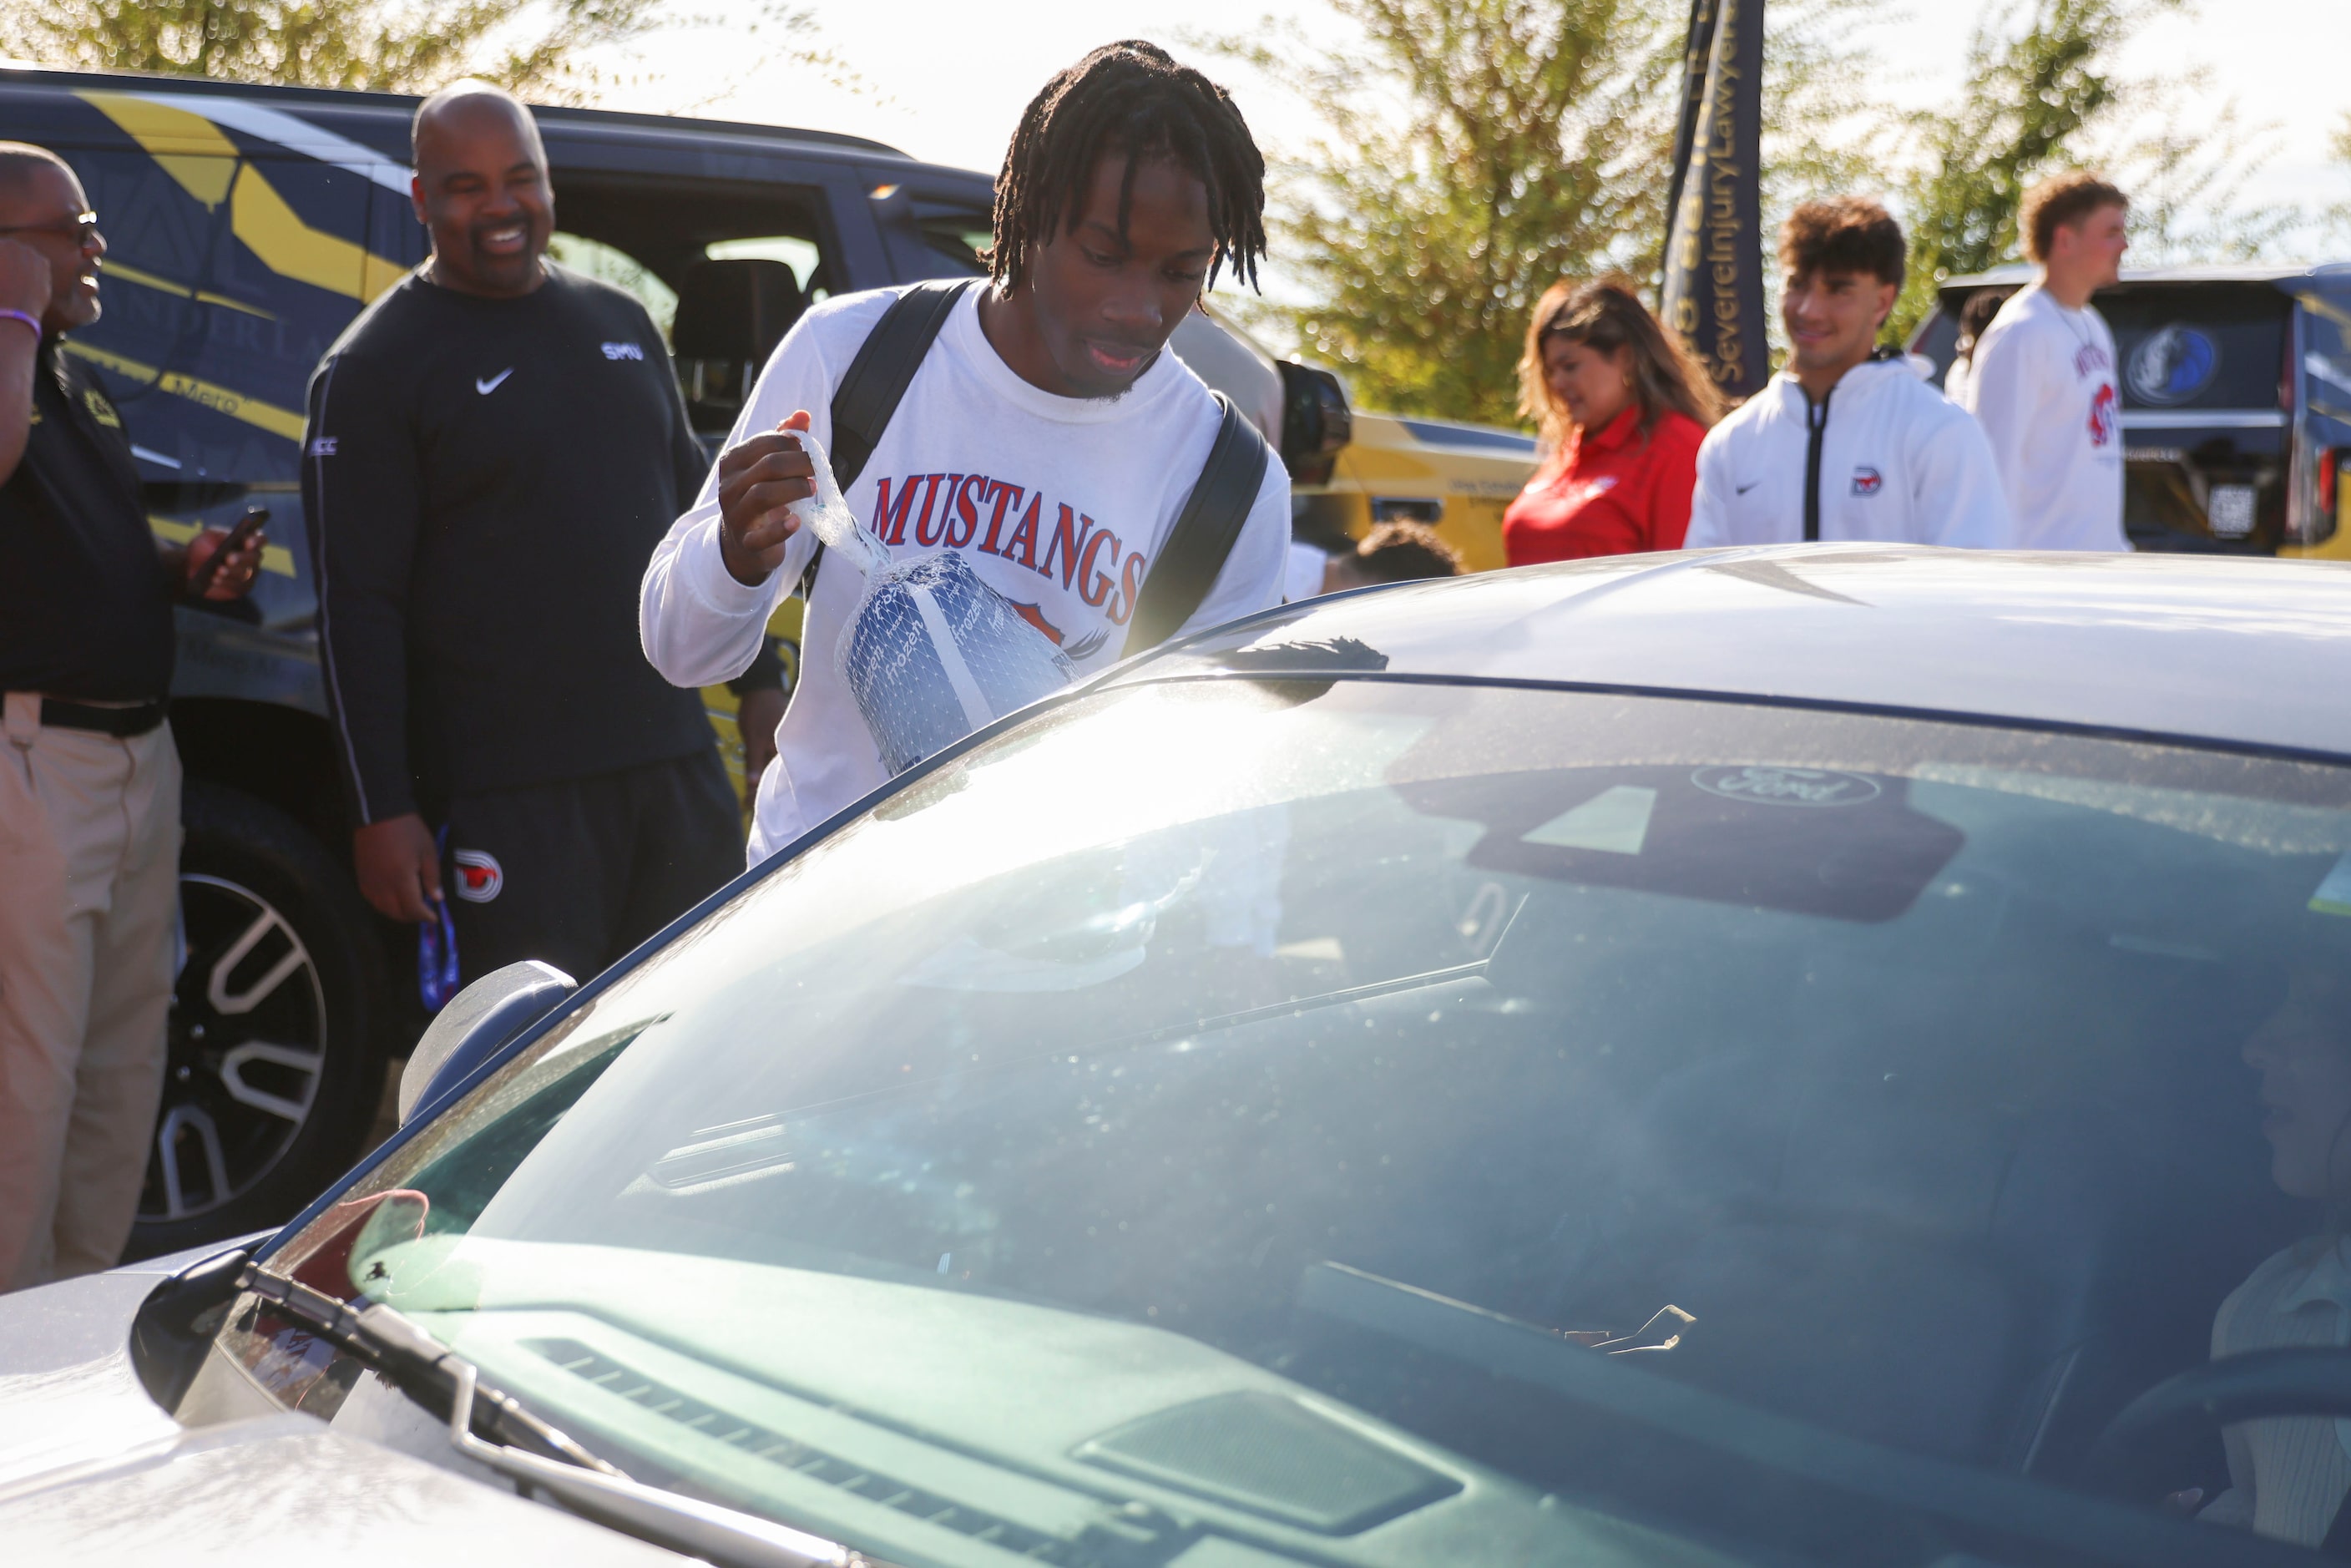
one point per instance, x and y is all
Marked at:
(1047, 437)
(1846, 442)
(2043, 382)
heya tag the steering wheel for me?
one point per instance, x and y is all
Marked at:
(2247, 1387)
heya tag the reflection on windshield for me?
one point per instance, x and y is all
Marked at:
(2288, 1478)
(1353, 1122)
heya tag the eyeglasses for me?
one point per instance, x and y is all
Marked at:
(81, 226)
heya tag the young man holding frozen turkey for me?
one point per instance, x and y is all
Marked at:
(1032, 426)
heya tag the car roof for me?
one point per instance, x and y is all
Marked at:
(382, 119)
(2243, 653)
(2331, 273)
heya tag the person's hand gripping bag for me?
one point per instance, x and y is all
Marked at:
(931, 653)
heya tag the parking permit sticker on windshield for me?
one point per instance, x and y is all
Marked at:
(2334, 895)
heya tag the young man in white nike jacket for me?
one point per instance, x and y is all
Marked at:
(1846, 442)
(1047, 437)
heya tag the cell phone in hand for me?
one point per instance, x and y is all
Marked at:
(255, 518)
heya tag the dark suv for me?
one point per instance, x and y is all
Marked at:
(246, 226)
(2236, 394)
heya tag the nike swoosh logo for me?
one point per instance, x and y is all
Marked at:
(1742, 489)
(487, 387)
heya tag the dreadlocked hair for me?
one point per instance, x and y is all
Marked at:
(1129, 98)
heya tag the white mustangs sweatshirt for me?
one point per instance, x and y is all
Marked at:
(1885, 456)
(2042, 387)
(1058, 504)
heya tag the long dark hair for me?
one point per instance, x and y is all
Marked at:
(1606, 314)
(1976, 315)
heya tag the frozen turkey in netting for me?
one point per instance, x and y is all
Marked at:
(931, 653)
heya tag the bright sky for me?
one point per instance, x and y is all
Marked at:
(948, 80)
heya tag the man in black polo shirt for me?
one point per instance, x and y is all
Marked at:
(494, 448)
(89, 785)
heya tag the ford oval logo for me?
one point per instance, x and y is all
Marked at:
(1786, 786)
(2172, 366)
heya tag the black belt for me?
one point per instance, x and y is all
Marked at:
(123, 723)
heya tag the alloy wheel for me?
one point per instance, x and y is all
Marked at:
(247, 1047)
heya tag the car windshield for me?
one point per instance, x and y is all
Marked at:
(1364, 1120)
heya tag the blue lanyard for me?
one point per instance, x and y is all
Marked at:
(436, 947)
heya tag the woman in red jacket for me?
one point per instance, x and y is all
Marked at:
(1622, 406)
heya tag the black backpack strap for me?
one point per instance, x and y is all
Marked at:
(884, 369)
(1204, 533)
(877, 379)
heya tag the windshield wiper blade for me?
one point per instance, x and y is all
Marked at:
(524, 1449)
(419, 1365)
(683, 1524)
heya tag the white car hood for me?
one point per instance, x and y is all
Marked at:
(93, 1474)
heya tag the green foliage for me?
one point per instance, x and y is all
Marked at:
(1820, 126)
(2338, 217)
(2026, 97)
(2180, 175)
(544, 49)
(1474, 151)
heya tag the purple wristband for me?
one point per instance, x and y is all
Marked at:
(28, 319)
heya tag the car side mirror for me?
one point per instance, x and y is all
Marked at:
(1315, 421)
(473, 1026)
(173, 1327)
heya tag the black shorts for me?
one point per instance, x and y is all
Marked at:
(578, 872)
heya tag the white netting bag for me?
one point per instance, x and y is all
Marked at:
(931, 653)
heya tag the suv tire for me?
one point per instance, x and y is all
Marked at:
(273, 1075)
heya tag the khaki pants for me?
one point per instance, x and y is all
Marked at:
(89, 860)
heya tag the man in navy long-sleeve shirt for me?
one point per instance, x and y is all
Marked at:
(494, 447)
